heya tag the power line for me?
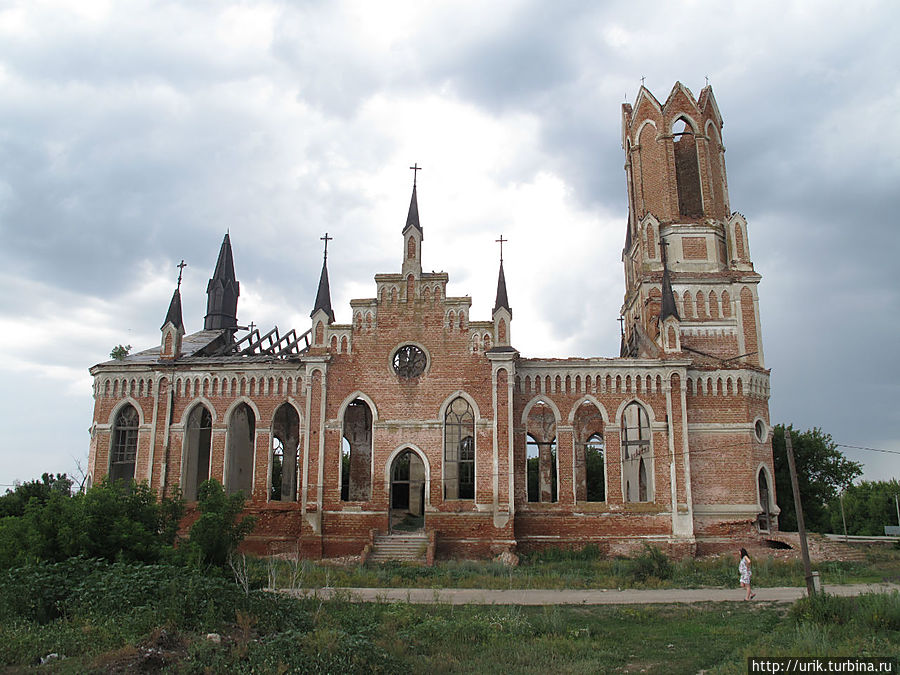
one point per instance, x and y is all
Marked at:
(859, 447)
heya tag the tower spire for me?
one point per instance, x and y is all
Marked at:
(323, 295)
(502, 301)
(412, 218)
(222, 291)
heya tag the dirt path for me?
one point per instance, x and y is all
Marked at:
(475, 596)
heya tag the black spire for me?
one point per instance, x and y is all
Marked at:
(323, 296)
(174, 313)
(668, 307)
(222, 292)
(501, 300)
(412, 218)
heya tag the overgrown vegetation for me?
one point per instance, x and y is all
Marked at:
(587, 567)
(116, 520)
(125, 617)
(867, 507)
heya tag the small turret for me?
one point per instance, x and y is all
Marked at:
(322, 314)
(173, 325)
(413, 235)
(502, 311)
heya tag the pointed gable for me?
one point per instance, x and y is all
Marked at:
(323, 295)
(173, 316)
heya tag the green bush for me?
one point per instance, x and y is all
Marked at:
(875, 611)
(651, 562)
(218, 532)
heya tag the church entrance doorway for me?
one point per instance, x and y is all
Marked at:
(407, 499)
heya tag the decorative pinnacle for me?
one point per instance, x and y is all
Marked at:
(415, 168)
(180, 267)
(326, 239)
(500, 241)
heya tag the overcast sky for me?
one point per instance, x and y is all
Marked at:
(134, 134)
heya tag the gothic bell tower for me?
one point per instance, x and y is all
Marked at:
(681, 227)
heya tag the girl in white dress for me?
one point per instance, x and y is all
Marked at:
(746, 573)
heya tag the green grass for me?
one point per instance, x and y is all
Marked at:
(585, 568)
(106, 618)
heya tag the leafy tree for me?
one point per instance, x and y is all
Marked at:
(119, 352)
(822, 471)
(218, 532)
(868, 507)
(113, 520)
(13, 503)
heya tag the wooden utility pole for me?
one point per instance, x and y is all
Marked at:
(801, 527)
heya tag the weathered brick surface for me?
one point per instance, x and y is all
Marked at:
(703, 458)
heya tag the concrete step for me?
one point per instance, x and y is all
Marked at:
(399, 547)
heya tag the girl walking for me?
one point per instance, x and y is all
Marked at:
(746, 573)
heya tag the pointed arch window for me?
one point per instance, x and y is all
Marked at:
(687, 170)
(198, 439)
(595, 474)
(637, 455)
(459, 450)
(356, 452)
(124, 445)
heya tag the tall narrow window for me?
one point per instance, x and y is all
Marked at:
(459, 450)
(285, 449)
(356, 447)
(594, 469)
(637, 453)
(124, 446)
(765, 515)
(541, 440)
(198, 436)
(239, 450)
(687, 171)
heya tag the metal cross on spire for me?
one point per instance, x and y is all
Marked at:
(664, 245)
(180, 267)
(501, 241)
(707, 80)
(621, 321)
(415, 168)
(326, 239)
(642, 80)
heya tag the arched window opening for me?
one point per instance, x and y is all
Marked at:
(239, 450)
(765, 516)
(407, 512)
(285, 452)
(459, 450)
(636, 453)
(356, 453)
(124, 446)
(541, 453)
(594, 469)
(277, 469)
(687, 171)
(198, 436)
(590, 479)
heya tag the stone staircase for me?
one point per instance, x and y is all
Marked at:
(405, 547)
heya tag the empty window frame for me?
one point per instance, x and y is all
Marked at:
(285, 454)
(198, 437)
(239, 450)
(595, 472)
(636, 454)
(124, 444)
(540, 453)
(459, 450)
(356, 452)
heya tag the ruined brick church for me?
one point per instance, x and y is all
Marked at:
(419, 418)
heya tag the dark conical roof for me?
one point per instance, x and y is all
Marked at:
(174, 313)
(222, 292)
(323, 296)
(502, 300)
(225, 263)
(412, 218)
(667, 307)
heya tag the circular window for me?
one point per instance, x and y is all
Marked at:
(409, 361)
(760, 429)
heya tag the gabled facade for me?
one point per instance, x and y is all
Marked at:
(416, 415)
